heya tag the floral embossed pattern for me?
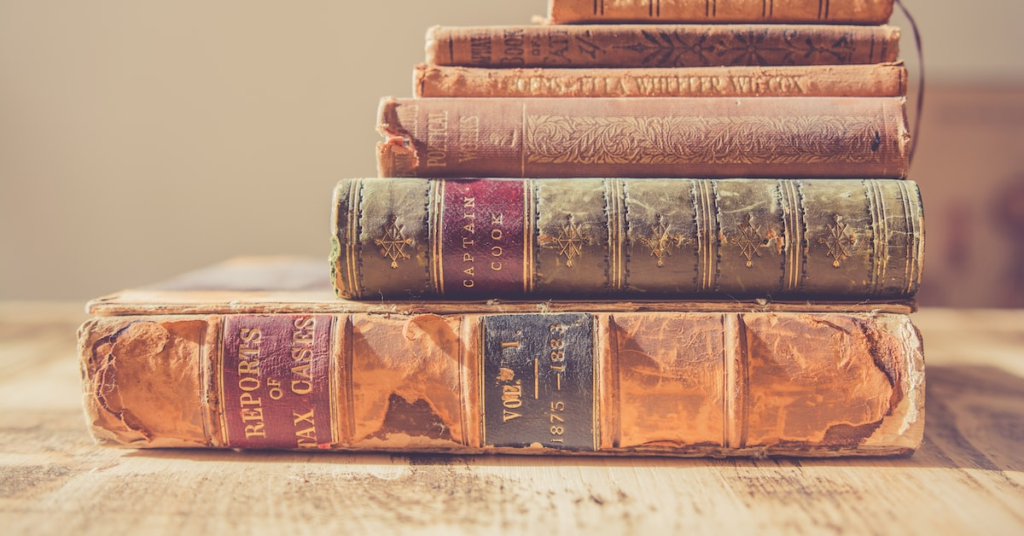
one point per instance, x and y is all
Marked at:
(557, 139)
(680, 48)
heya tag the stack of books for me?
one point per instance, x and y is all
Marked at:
(695, 238)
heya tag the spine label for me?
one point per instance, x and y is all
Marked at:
(538, 382)
(482, 238)
(274, 379)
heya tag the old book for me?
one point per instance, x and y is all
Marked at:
(775, 11)
(281, 370)
(591, 238)
(661, 45)
(876, 80)
(651, 137)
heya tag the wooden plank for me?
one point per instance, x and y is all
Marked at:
(968, 477)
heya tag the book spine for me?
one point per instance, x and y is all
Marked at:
(721, 11)
(878, 80)
(684, 384)
(635, 46)
(652, 137)
(587, 238)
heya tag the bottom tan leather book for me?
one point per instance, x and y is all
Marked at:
(293, 368)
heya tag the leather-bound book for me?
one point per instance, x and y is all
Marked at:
(649, 137)
(775, 11)
(604, 238)
(877, 80)
(637, 45)
(271, 368)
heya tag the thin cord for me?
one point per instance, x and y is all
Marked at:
(915, 135)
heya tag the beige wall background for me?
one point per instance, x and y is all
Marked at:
(141, 139)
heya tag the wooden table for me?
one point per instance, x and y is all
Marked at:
(968, 477)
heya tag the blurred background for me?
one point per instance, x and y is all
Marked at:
(142, 139)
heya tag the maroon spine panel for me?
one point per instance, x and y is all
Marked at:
(481, 238)
(275, 376)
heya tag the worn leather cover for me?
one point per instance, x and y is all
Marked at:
(651, 137)
(479, 239)
(877, 80)
(776, 11)
(663, 383)
(661, 45)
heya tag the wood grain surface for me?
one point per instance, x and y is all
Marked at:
(967, 478)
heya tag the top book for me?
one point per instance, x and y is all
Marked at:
(720, 11)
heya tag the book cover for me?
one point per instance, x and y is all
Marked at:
(273, 369)
(839, 239)
(714, 137)
(661, 45)
(690, 11)
(876, 80)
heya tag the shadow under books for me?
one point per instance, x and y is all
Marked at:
(975, 420)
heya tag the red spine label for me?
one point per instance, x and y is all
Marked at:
(482, 238)
(275, 381)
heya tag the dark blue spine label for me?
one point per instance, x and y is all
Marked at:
(538, 381)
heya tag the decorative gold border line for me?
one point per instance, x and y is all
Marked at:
(219, 374)
(437, 233)
(332, 381)
(595, 420)
(527, 236)
(352, 237)
(523, 145)
(482, 367)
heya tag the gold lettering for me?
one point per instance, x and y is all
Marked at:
(466, 257)
(468, 283)
(249, 367)
(251, 335)
(741, 84)
(471, 271)
(303, 337)
(304, 370)
(718, 84)
(249, 384)
(511, 396)
(509, 415)
(497, 219)
(437, 139)
(305, 417)
(469, 138)
(496, 266)
(255, 430)
(302, 387)
(254, 414)
(470, 227)
(801, 84)
(496, 234)
(246, 399)
(466, 242)
(496, 251)
(306, 437)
